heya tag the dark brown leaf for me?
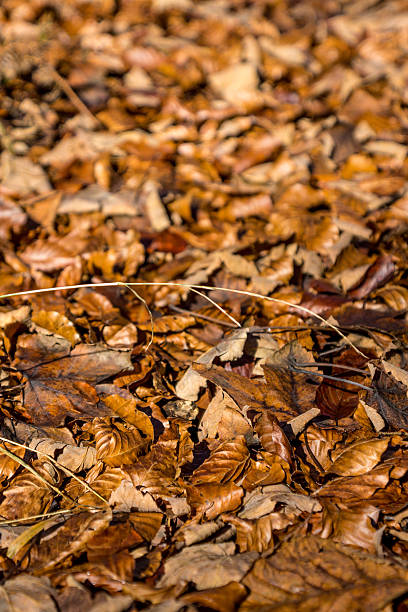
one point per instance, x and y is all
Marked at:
(60, 383)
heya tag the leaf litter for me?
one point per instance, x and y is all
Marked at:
(231, 433)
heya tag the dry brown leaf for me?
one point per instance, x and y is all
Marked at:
(354, 526)
(21, 177)
(8, 466)
(27, 495)
(287, 393)
(127, 409)
(208, 566)
(156, 472)
(63, 387)
(226, 463)
(302, 574)
(254, 535)
(117, 443)
(222, 418)
(210, 500)
(272, 437)
(69, 539)
(235, 83)
(57, 324)
(359, 458)
(75, 458)
(26, 592)
(224, 599)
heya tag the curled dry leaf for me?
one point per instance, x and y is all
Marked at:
(8, 466)
(69, 539)
(226, 463)
(381, 271)
(354, 526)
(222, 419)
(321, 443)
(359, 458)
(105, 484)
(381, 487)
(272, 437)
(27, 495)
(253, 535)
(224, 599)
(210, 500)
(75, 458)
(157, 471)
(286, 393)
(126, 498)
(57, 324)
(117, 443)
(126, 408)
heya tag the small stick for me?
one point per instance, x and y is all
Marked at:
(312, 455)
(335, 378)
(322, 364)
(72, 96)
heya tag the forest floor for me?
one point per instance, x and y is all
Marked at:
(230, 433)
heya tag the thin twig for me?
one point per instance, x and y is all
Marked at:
(207, 297)
(328, 377)
(312, 455)
(27, 519)
(322, 364)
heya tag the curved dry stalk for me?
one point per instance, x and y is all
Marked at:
(61, 467)
(31, 469)
(253, 294)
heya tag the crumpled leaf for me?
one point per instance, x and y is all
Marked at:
(286, 393)
(309, 573)
(75, 458)
(70, 539)
(64, 387)
(27, 495)
(117, 443)
(25, 592)
(207, 565)
(209, 500)
(226, 463)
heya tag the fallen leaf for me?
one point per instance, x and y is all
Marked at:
(64, 387)
(359, 458)
(302, 575)
(26, 592)
(208, 566)
(225, 464)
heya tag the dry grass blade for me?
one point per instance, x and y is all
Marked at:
(34, 517)
(195, 288)
(27, 535)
